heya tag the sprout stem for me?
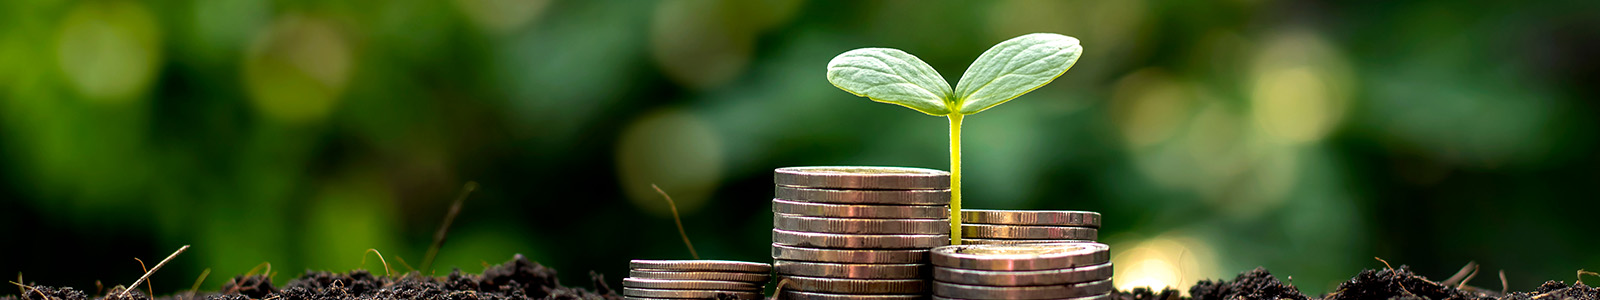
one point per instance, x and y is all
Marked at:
(955, 178)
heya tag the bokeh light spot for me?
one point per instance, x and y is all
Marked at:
(1299, 90)
(501, 16)
(297, 69)
(109, 50)
(674, 149)
(1149, 107)
(1169, 260)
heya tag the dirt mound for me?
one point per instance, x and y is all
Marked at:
(1255, 284)
(517, 279)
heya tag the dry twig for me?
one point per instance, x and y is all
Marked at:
(153, 270)
(678, 220)
(444, 229)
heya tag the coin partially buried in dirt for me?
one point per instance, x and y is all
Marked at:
(850, 177)
(1021, 257)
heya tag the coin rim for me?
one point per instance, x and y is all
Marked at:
(846, 270)
(926, 179)
(860, 211)
(1032, 217)
(757, 278)
(858, 241)
(793, 222)
(1024, 278)
(947, 256)
(746, 294)
(848, 196)
(700, 265)
(1021, 292)
(853, 285)
(662, 284)
(1027, 232)
(883, 256)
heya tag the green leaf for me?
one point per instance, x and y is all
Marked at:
(891, 76)
(1015, 67)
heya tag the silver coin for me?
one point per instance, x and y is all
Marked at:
(891, 197)
(863, 211)
(964, 291)
(1020, 257)
(973, 241)
(1032, 217)
(838, 270)
(871, 178)
(671, 284)
(757, 278)
(875, 256)
(1023, 232)
(859, 241)
(861, 226)
(700, 265)
(853, 286)
(679, 294)
(799, 295)
(1024, 278)
(1106, 296)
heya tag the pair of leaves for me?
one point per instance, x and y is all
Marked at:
(1004, 72)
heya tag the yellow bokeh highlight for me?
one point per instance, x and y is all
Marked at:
(297, 69)
(674, 149)
(1168, 260)
(109, 50)
(1300, 87)
(501, 16)
(1149, 107)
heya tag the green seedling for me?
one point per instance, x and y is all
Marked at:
(1004, 72)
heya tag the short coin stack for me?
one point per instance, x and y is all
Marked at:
(987, 226)
(1025, 271)
(697, 279)
(857, 232)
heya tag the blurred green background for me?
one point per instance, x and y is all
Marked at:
(1215, 136)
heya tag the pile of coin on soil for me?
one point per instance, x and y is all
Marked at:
(1023, 271)
(857, 232)
(698, 279)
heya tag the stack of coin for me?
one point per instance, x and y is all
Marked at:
(987, 226)
(1025, 271)
(696, 279)
(857, 232)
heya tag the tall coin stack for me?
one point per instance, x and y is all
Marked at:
(1025, 271)
(698, 279)
(987, 226)
(857, 232)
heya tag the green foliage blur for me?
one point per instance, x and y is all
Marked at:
(1215, 136)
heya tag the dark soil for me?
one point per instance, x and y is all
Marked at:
(517, 279)
(1385, 284)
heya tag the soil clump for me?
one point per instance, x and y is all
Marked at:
(517, 279)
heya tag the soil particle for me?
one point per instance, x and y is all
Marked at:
(1255, 284)
(251, 286)
(1553, 290)
(51, 293)
(1398, 283)
(1143, 293)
